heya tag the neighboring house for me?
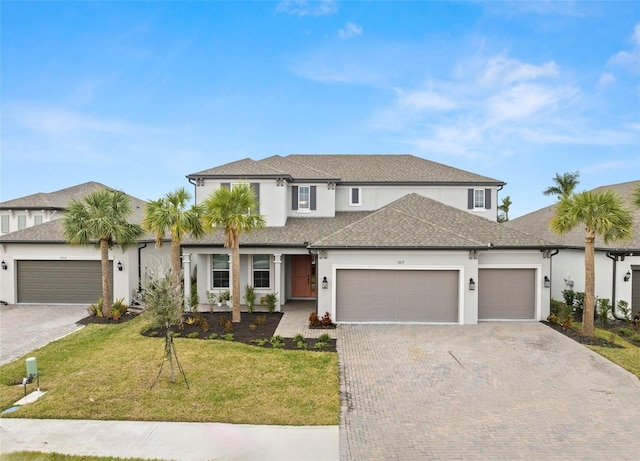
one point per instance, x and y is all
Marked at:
(617, 264)
(377, 238)
(39, 267)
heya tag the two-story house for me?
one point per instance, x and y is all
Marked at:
(37, 266)
(377, 238)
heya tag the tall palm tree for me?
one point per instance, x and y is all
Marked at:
(564, 185)
(601, 213)
(170, 213)
(101, 216)
(233, 210)
(504, 207)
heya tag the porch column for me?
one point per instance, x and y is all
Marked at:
(186, 270)
(277, 283)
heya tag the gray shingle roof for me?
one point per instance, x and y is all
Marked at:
(415, 221)
(58, 199)
(537, 223)
(352, 168)
(52, 231)
(296, 232)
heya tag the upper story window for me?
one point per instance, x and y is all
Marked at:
(303, 198)
(354, 196)
(479, 199)
(220, 271)
(255, 187)
(5, 224)
(37, 219)
(261, 271)
(22, 221)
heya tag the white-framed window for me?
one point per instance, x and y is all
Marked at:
(354, 196)
(22, 221)
(478, 198)
(261, 268)
(5, 224)
(37, 219)
(220, 275)
(304, 198)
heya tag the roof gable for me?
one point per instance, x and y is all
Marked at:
(58, 199)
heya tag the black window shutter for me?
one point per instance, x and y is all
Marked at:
(225, 185)
(255, 187)
(294, 197)
(470, 200)
(312, 192)
(487, 199)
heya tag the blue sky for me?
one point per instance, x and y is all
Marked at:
(137, 95)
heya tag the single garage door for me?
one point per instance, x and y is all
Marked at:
(368, 295)
(60, 281)
(506, 294)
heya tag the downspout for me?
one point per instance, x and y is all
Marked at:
(140, 267)
(194, 186)
(315, 255)
(551, 255)
(613, 290)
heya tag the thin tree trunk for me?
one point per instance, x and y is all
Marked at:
(176, 267)
(589, 284)
(235, 292)
(106, 278)
(169, 353)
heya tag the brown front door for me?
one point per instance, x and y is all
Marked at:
(304, 276)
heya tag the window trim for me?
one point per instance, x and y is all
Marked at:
(214, 270)
(351, 202)
(307, 207)
(5, 220)
(37, 219)
(475, 199)
(254, 270)
(22, 217)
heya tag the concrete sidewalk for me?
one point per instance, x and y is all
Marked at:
(170, 441)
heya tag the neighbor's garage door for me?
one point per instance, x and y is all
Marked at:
(366, 295)
(506, 294)
(59, 281)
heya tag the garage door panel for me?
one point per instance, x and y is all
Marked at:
(366, 295)
(59, 281)
(506, 294)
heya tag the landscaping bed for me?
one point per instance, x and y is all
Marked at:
(256, 329)
(587, 341)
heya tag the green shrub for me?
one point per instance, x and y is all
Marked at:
(96, 308)
(213, 336)
(324, 338)
(250, 297)
(176, 334)
(301, 345)
(260, 342)
(623, 308)
(320, 345)
(272, 300)
(603, 306)
(193, 334)
(557, 307)
(118, 309)
(277, 342)
(569, 297)
(297, 338)
(227, 337)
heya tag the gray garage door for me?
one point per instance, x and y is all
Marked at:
(59, 281)
(506, 294)
(365, 295)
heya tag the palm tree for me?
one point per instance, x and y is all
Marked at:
(564, 185)
(504, 207)
(601, 213)
(233, 210)
(170, 213)
(102, 216)
(636, 196)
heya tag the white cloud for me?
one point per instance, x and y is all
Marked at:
(629, 58)
(607, 78)
(350, 30)
(424, 100)
(505, 70)
(307, 8)
(524, 100)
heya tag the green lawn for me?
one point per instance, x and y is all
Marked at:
(105, 372)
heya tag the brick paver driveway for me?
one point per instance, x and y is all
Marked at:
(498, 391)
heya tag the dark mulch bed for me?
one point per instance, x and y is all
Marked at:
(107, 321)
(576, 336)
(215, 323)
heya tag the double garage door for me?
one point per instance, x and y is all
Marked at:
(371, 295)
(59, 281)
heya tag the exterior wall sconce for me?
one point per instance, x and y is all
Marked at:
(472, 284)
(119, 266)
(547, 282)
(627, 276)
(325, 283)
(4, 265)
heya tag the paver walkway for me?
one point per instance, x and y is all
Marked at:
(494, 391)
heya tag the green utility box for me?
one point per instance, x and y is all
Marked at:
(32, 368)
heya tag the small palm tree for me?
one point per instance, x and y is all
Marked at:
(564, 185)
(170, 213)
(233, 210)
(504, 207)
(101, 216)
(601, 213)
